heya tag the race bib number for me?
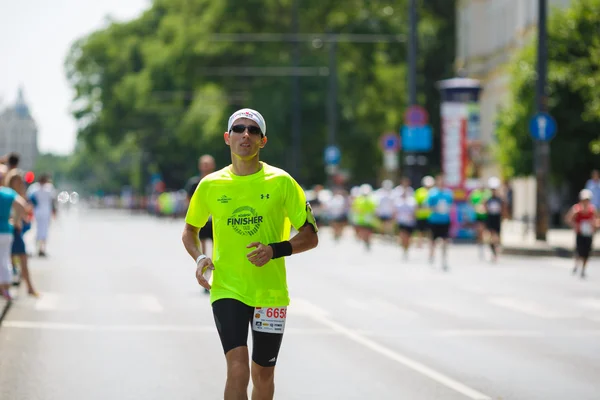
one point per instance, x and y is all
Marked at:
(442, 207)
(586, 228)
(269, 320)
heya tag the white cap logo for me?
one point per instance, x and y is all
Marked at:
(250, 114)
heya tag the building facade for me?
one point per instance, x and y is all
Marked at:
(489, 33)
(18, 132)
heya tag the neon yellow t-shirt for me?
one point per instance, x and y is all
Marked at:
(246, 209)
(478, 198)
(423, 211)
(364, 208)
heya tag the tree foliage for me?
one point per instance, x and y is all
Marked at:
(573, 93)
(160, 83)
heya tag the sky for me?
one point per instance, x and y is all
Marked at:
(35, 38)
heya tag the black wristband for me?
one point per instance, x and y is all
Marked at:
(281, 249)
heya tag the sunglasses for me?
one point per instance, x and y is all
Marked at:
(252, 129)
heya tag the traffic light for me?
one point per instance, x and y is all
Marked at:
(29, 177)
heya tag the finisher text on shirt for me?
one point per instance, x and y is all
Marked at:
(244, 220)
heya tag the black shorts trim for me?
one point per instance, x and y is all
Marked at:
(233, 318)
(206, 231)
(583, 245)
(440, 231)
(422, 225)
(406, 228)
(494, 223)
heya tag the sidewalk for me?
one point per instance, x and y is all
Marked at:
(517, 240)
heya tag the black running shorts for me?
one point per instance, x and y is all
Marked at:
(439, 231)
(583, 245)
(406, 228)
(233, 318)
(494, 223)
(422, 225)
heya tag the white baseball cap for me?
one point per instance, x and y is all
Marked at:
(494, 182)
(428, 181)
(586, 194)
(250, 114)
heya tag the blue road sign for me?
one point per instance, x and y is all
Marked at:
(390, 142)
(417, 138)
(542, 127)
(332, 155)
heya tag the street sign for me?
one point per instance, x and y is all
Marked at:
(542, 127)
(333, 155)
(390, 142)
(416, 116)
(390, 160)
(417, 138)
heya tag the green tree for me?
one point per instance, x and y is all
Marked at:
(159, 80)
(573, 93)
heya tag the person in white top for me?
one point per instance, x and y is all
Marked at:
(405, 218)
(43, 199)
(337, 213)
(385, 206)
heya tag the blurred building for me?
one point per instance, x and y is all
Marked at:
(489, 33)
(18, 132)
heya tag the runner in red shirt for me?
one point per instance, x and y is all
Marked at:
(583, 218)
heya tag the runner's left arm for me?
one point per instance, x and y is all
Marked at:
(300, 213)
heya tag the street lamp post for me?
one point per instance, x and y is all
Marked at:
(542, 148)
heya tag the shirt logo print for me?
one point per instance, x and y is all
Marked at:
(224, 199)
(264, 196)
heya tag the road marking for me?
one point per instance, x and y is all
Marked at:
(590, 302)
(487, 333)
(49, 301)
(390, 308)
(144, 302)
(526, 307)
(416, 366)
(65, 326)
(359, 305)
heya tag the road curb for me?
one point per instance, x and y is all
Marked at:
(544, 252)
(5, 311)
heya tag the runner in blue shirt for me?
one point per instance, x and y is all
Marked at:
(439, 200)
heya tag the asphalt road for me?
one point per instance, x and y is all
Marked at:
(121, 317)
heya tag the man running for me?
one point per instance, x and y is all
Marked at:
(495, 210)
(583, 218)
(206, 165)
(478, 199)
(423, 211)
(405, 218)
(252, 205)
(440, 199)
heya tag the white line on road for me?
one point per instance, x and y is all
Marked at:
(67, 326)
(141, 328)
(416, 366)
(590, 302)
(527, 307)
(390, 309)
(53, 301)
(359, 305)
